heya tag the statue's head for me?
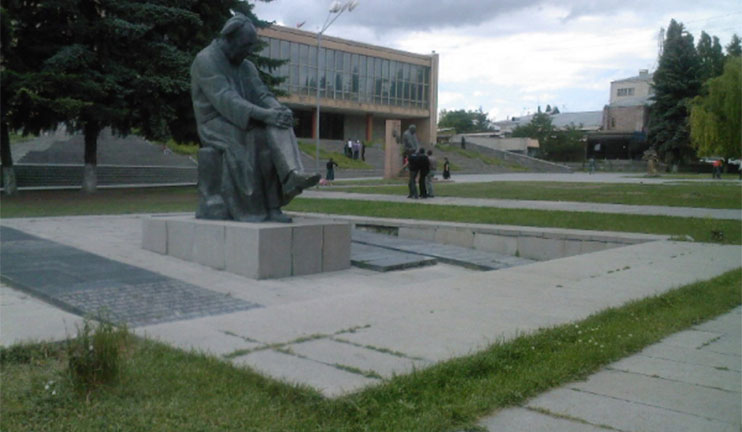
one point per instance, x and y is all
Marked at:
(412, 129)
(239, 37)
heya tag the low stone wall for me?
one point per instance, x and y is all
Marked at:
(535, 243)
(256, 250)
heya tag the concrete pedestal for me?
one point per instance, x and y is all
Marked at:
(255, 250)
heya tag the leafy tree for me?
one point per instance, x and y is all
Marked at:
(710, 56)
(735, 47)
(554, 144)
(716, 118)
(539, 128)
(675, 83)
(465, 121)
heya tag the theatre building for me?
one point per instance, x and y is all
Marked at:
(361, 86)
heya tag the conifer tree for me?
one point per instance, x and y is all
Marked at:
(735, 47)
(675, 83)
(711, 57)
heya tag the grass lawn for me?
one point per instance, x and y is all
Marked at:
(164, 389)
(699, 229)
(165, 200)
(343, 162)
(685, 194)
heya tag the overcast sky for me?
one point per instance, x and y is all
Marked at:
(510, 56)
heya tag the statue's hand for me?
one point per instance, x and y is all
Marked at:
(279, 117)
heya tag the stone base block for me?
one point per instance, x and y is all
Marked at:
(255, 250)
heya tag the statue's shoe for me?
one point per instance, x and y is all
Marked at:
(278, 216)
(297, 182)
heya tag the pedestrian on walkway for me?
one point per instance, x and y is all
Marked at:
(413, 168)
(716, 173)
(423, 165)
(446, 169)
(330, 176)
(433, 164)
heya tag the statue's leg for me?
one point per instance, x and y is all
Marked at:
(241, 182)
(210, 202)
(268, 179)
(285, 156)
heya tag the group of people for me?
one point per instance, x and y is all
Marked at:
(354, 149)
(422, 167)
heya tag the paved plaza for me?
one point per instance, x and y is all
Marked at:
(340, 332)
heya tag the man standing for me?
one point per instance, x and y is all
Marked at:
(249, 165)
(431, 174)
(423, 166)
(413, 166)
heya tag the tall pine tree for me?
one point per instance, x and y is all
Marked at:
(675, 83)
(711, 57)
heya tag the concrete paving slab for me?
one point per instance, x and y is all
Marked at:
(727, 324)
(329, 380)
(693, 339)
(190, 335)
(26, 319)
(670, 395)
(527, 420)
(701, 375)
(334, 351)
(693, 357)
(726, 344)
(625, 415)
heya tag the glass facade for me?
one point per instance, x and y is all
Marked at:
(348, 76)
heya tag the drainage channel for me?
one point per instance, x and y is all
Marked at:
(381, 252)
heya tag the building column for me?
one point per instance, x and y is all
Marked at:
(314, 123)
(369, 127)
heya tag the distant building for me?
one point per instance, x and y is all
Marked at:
(585, 121)
(623, 133)
(361, 85)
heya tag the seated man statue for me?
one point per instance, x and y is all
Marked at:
(249, 166)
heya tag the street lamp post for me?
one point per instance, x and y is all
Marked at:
(337, 8)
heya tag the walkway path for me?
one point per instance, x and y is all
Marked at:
(572, 206)
(690, 381)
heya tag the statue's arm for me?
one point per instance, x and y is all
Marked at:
(217, 89)
(265, 98)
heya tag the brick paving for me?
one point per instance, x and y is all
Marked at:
(91, 285)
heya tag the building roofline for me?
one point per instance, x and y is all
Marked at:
(313, 35)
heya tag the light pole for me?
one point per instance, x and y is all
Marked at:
(337, 8)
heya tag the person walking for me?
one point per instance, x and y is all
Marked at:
(446, 169)
(330, 176)
(413, 168)
(423, 165)
(433, 164)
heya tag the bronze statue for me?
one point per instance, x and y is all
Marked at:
(249, 166)
(409, 140)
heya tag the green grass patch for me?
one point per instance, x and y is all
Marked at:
(705, 230)
(186, 149)
(686, 194)
(164, 389)
(103, 202)
(471, 154)
(343, 162)
(184, 199)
